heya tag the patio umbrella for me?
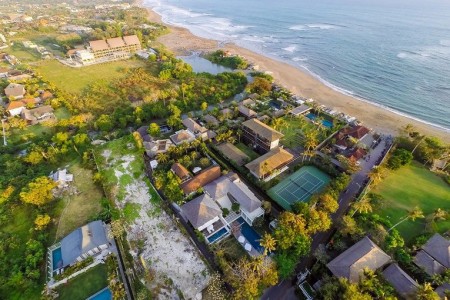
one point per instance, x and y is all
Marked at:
(241, 239)
(248, 247)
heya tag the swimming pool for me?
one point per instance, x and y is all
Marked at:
(325, 122)
(219, 234)
(104, 294)
(57, 258)
(250, 235)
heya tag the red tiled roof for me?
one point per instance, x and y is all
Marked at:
(204, 177)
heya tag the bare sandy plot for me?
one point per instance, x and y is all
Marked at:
(172, 257)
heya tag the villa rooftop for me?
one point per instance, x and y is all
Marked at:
(263, 130)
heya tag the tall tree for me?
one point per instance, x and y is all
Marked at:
(39, 191)
(414, 214)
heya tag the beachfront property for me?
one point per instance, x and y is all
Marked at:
(199, 131)
(351, 263)
(260, 136)
(349, 136)
(108, 50)
(15, 91)
(90, 240)
(434, 257)
(300, 110)
(271, 164)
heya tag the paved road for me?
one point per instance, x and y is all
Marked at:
(285, 290)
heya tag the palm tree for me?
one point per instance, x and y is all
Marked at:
(239, 134)
(268, 242)
(309, 143)
(439, 214)
(362, 206)
(425, 292)
(278, 123)
(162, 158)
(414, 214)
(376, 174)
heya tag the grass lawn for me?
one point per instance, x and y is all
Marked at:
(62, 113)
(82, 206)
(74, 80)
(23, 54)
(247, 150)
(293, 130)
(84, 285)
(19, 136)
(413, 186)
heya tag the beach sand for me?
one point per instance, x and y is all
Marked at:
(182, 42)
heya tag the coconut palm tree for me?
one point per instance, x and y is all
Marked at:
(376, 174)
(362, 206)
(278, 123)
(414, 214)
(162, 158)
(268, 242)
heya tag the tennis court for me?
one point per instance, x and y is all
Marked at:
(299, 187)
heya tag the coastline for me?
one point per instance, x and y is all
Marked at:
(182, 42)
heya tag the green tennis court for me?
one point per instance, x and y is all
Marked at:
(299, 187)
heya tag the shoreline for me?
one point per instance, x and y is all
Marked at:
(299, 81)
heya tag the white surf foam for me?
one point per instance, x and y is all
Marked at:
(290, 48)
(300, 58)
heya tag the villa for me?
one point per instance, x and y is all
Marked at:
(434, 257)
(15, 108)
(37, 115)
(206, 216)
(246, 112)
(270, 164)
(402, 282)
(229, 189)
(61, 177)
(181, 172)
(201, 179)
(182, 136)
(300, 110)
(211, 120)
(351, 263)
(15, 91)
(88, 240)
(152, 148)
(345, 136)
(198, 130)
(261, 136)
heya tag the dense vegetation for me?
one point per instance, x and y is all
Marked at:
(221, 58)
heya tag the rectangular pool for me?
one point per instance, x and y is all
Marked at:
(325, 122)
(104, 294)
(219, 234)
(57, 258)
(250, 235)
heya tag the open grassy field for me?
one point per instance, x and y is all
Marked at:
(413, 186)
(293, 129)
(84, 285)
(81, 205)
(74, 80)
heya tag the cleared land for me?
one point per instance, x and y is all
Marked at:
(412, 186)
(164, 250)
(82, 201)
(74, 80)
(84, 285)
(233, 153)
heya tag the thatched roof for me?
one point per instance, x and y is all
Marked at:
(180, 171)
(352, 262)
(269, 162)
(201, 210)
(263, 130)
(402, 282)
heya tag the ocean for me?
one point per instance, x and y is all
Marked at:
(395, 54)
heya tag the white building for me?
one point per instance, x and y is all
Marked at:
(85, 57)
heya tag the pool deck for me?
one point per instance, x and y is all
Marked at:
(252, 252)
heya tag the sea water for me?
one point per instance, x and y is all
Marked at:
(395, 54)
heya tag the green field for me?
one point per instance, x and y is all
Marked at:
(74, 80)
(249, 152)
(84, 285)
(413, 186)
(82, 206)
(293, 129)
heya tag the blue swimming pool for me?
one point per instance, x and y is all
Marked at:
(325, 122)
(250, 235)
(57, 258)
(211, 239)
(104, 294)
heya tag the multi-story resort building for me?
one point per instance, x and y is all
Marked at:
(262, 137)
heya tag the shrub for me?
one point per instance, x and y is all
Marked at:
(235, 207)
(400, 157)
(225, 212)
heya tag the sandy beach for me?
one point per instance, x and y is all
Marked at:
(182, 42)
